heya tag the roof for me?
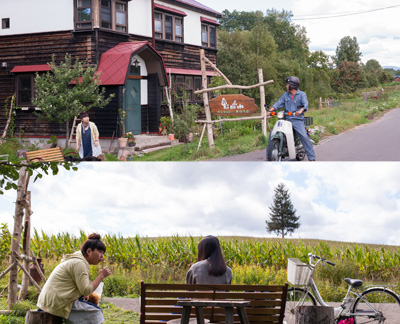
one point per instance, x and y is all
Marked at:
(198, 5)
(31, 68)
(114, 63)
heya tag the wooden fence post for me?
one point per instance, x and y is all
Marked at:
(262, 103)
(205, 99)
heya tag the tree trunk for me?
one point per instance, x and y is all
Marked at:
(314, 315)
(16, 237)
(26, 244)
(35, 317)
(66, 133)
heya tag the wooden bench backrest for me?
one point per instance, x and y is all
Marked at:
(48, 155)
(159, 301)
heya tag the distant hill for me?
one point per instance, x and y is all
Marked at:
(391, 67)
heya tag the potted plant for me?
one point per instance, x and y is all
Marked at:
(131, 139)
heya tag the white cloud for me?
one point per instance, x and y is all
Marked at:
(336, 201)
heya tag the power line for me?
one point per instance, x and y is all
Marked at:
(322, 16)
(347, 14)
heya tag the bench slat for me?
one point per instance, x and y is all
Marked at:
(47, 155)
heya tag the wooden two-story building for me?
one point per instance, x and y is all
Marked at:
(137, 45)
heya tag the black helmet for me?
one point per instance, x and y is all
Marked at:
(293, 82)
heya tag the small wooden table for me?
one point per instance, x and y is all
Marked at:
(227, 304)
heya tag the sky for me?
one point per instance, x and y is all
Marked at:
(376, 31)
(352, 202)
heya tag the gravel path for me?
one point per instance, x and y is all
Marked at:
(130, 304)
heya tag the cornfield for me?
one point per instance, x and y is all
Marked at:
(253, 260)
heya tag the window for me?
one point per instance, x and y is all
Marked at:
(5, 23)
(84, 14)
(168, 27)
(105, 14)
(121, 17)
(25, 89)
(113, 14)
(208, 36)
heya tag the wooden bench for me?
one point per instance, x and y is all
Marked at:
(159, 302)
(49, 155)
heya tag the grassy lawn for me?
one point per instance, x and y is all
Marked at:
(112, 314)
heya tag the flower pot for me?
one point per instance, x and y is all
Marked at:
(131, 143)
(171, 137)
(122, 141)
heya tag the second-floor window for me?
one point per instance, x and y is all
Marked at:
(168, 27)
(208, 35)
(83, 14)
(112, 14)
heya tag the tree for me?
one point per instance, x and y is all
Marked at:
(283, 215)
(348, 50)
(348, 77)
(67, 90)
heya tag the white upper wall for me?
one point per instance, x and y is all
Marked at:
(35, 16)
(139, 18)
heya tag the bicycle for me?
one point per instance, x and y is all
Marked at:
(376, 304)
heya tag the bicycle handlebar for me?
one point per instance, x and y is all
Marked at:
(322, 259)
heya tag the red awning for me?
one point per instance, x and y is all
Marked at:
(30, 68)
(171, 10)
(189, 72)
(209, 21)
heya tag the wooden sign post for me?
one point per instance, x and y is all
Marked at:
(205, 99)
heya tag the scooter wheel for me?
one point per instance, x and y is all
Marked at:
(300, 155)
(273, 150)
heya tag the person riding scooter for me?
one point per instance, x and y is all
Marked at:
(291, 100)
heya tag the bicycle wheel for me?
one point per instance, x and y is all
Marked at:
(297, 297)
(385, 307)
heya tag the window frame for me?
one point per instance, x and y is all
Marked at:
(5, 23)
(113, 23)
(79, 22)
(124, 26)
(19, 91)
(208, 33)
(163, 21)
(110, 9)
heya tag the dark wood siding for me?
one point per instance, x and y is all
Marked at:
(151, 113)
(106, 119)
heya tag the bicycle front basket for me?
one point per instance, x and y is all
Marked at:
(298, 272)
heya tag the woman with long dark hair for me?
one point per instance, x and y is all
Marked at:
(64, 293)
(211, 267)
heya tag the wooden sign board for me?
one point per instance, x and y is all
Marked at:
(233, 105)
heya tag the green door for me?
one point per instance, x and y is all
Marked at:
(133, 109)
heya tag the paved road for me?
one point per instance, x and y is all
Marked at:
(376, 141)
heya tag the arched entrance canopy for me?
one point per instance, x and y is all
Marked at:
(115, 62)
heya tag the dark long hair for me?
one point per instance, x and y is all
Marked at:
(210, 249)
(93, 242)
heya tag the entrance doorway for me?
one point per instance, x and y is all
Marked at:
(132, 102)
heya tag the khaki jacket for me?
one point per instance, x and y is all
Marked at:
(68, 281)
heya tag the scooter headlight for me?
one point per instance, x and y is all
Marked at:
(281, 114)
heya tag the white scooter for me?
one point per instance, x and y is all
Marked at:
(284, 141)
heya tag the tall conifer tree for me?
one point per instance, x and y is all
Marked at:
(283, 219)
